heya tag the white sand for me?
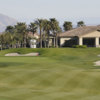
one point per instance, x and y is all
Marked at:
(98, 55)
(97, 63)
(16, 54)
(12, 54)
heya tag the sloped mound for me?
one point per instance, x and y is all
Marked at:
(12, 54)
(17, 54)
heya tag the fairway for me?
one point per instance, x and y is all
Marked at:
(57, 74)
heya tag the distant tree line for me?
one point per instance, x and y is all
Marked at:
(17, 36)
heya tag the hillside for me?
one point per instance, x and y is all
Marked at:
(5, 21)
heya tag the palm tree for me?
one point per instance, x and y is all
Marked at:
(21, 28)
(7, 37)
(33, 27)
(1, 41)
(46, 29)
(67, 25)
(55, 30)
(9, 29)
(80, 23)
(39, 23)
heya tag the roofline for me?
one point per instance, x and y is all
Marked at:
(75, 29)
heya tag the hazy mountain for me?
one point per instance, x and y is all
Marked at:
(5, 21)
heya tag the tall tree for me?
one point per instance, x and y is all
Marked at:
(40, 23)
(9, 29)
(80, 23)
(46, 29)
(21, 28)
(33, 27)
(67, 25)
(2, 41)
(55, 30)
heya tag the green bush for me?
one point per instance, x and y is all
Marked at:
(79, 46)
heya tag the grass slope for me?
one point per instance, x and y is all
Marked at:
(57, 74)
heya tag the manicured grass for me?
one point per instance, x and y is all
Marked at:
(57, 74)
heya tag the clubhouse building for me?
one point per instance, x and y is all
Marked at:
(86, 35)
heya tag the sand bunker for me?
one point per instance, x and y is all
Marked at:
(97, 63)
(98, 55)
(17, 54)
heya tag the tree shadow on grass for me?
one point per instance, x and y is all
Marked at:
(96, 67)
(10, 64)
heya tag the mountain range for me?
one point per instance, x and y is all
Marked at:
(6, 21)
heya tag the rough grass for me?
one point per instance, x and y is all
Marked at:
(57, 74)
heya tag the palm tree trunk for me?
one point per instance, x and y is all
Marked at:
(48, 39)
(24, 40)
(56, 41)
(40, 38)
(44, 39)
(45, 42)
(24, 43)
(1, 46)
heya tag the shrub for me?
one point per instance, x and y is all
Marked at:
(79, 46)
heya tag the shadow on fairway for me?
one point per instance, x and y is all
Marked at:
(9, 64)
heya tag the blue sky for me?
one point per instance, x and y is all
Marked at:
(72, 10)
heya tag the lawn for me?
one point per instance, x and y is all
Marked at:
(57, 74)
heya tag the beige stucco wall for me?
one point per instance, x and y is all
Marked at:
(50, 42)
(97, 42)
(95, 35)
(80, 41)
(62, 41)
(92, 34)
